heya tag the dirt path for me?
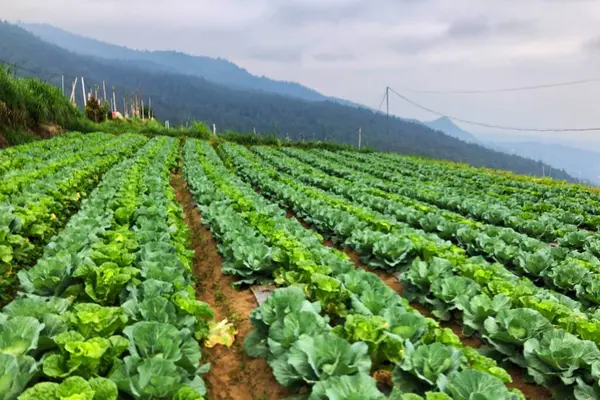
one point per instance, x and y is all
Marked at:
(233, 375)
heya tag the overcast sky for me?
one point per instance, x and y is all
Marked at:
(353, 48)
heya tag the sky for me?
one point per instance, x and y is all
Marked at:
(353, 49)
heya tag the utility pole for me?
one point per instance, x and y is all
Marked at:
(359, 137)
(104, 91)
(387, 106)
(62, 83)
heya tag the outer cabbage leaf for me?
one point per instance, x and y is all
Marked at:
(478, 308)
(510, 329)
(426, 362)
(19, 335)
(312, 359)
(354, 387)
(152, 378)
(558, 354)
(15, 373)
(471, 385)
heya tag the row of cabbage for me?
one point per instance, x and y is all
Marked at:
(332, 324)
(575, 273)
(532, 191)
(494, 301)
(562, 227)
(31, 153)
(109, 310)
(37, 200)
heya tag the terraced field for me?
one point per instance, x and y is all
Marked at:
(159, 269)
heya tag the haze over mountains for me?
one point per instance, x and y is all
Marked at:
(581, 163)
(185, 87)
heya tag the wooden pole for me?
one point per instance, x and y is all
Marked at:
(72, 98)
(359, 137)
(143, 116)
(137, 106)
(83, 91)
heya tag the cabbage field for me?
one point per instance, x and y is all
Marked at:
(137, 268)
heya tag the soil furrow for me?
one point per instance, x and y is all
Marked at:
(233, 375)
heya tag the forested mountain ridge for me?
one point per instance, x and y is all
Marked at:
(217, 70)
(180, 98)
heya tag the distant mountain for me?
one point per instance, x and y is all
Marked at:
(580, 163)
(216, 70)
(183, 98)
(448, 127)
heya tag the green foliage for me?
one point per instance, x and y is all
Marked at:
(73, 388)
(95, 111)
(28, 103)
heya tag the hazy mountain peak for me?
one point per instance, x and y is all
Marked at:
(447, 126)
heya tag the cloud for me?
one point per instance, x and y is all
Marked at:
(276, 54)
(469, 28)
(323, 12)
(483, 28)
(413, 45)
(592, 45)
(334, 56)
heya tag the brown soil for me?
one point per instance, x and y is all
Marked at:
(233, 375)
(49, 131)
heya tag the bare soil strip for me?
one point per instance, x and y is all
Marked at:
(531, 391)
(233, 375)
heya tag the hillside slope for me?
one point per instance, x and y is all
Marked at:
(180, 98)
(215, 70)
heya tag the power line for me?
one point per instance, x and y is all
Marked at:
(509, 128)
(379, 109)
(502, 90)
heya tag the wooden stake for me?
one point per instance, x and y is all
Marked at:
(83, 91)
(72, 98)
(359, 137)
